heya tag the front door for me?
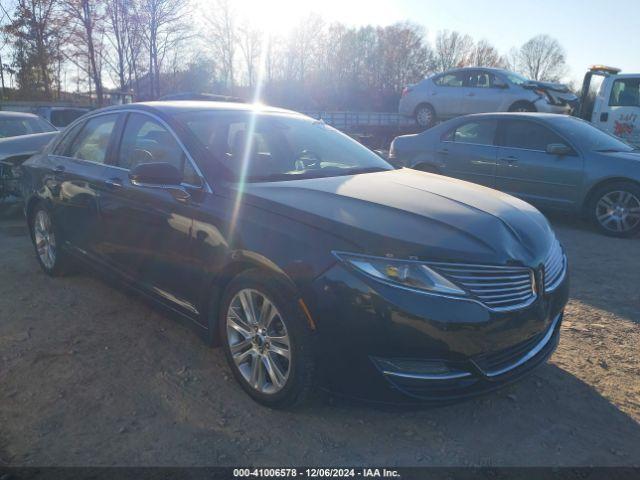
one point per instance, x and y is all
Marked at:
(148, 227)
(468, 152)
(622, 115)
(525, 169)
(481, 93)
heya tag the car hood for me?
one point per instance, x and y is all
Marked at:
(408, 213)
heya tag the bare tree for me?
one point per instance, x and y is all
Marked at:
(164, 27)
(222, 29)
(250, 42)
(452, 49)
(542, 58)
(85, 20)
(485, 55)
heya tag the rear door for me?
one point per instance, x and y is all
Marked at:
(525, 169)
(468, 151)
(622, 114)
(78, 164)
(148, 227)
(447, 94)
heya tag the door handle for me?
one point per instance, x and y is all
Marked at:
(471, 94)
(510, 161)
(113, 182)
(443, 151)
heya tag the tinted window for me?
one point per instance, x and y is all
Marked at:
(455, 79)
(147, 141)
(480, 133)
(625, 93)
(16, 126)
(262, 146)
(93, 141)
(529, 135)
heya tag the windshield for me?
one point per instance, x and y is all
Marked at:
(17, 126)
(589, 137)
(516, 78)
(271, 147)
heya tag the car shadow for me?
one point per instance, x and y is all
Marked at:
(549, 418)
(603, 270)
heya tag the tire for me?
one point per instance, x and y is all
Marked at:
(47, 240)
(425, 115)
(522, 107)
(281, 382)
(615, 209)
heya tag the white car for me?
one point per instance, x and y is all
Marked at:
(480, 90)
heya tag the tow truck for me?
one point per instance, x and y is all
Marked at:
(610, 100)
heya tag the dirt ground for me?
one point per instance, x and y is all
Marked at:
(91, 375)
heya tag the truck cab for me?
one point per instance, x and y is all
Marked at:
(611, 102)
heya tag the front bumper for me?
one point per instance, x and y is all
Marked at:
(543, 106)
(369, 331)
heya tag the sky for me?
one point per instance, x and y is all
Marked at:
(592, 32)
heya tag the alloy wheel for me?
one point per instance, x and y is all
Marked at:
(45, 239)
(258, 341)
(424, 117)
(618, 211)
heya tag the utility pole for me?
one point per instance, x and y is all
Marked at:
(1, 78)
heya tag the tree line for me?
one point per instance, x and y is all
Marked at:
(156, 47)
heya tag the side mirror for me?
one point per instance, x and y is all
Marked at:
(500, 85)
(160, 173)
(558, 149)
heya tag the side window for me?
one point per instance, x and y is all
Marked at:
(147, 141)
(92, 142)
(455, 79)
(479, 133)
(481, 79)
(63, 145)
(625, 93)
(529, 135)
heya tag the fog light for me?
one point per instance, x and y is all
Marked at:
(420, 367)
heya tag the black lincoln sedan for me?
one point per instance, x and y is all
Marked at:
(308, 258)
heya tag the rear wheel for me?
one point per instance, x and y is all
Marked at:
(267, 340)
(425, 116)
(52, 259)
(615, 209)
(523, 107)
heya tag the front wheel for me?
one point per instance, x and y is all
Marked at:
(46, 240)
(522, 107)
(267, 340)
(615, 209)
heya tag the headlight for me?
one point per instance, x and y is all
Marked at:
(405, 273)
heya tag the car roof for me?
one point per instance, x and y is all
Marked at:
(551, 117)
(11, 114)
(172, 107)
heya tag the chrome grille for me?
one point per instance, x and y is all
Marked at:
(500, 288)
(555, 266)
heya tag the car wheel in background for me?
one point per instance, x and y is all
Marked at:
(47, 241)
(522, 107)
(425, 115)
(615, 209)
(267, 340)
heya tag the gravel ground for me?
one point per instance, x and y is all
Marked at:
(90, 375)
